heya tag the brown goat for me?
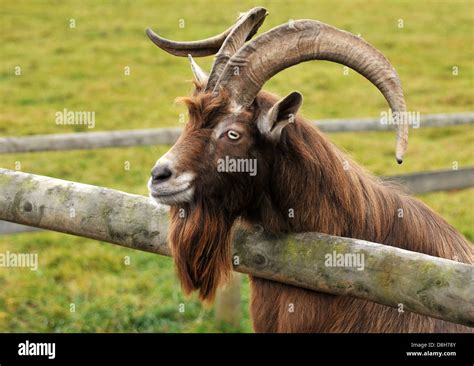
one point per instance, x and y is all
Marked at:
(298, 170)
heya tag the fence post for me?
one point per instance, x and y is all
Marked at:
(227, 308)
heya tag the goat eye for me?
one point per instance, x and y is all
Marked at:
(233, 135)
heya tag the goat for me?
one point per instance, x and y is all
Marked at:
(298, 170)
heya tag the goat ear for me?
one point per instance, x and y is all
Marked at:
(199, 74)
(280, 115)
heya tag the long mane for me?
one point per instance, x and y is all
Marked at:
(326, 191)
(330, 193)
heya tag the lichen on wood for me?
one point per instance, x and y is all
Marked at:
(391, 276)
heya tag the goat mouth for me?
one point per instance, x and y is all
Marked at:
(155, 194)
(173, 197)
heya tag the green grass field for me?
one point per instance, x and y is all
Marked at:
(82, 68)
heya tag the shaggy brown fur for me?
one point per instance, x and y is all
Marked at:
(200, 241)
(306, 173)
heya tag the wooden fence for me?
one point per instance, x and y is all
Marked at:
(156, 136)
(426, 285)
(227, 308)
(416, 183)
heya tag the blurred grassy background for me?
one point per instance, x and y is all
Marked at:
(82, 68)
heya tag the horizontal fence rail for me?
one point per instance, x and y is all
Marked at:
(416, 183)
(439, 180)
(168, 136)
(373, 124)
(298, 259)
(89, 140)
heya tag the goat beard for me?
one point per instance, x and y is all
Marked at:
(200, 236)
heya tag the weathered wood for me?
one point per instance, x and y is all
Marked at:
(426, 285)
(373, 124)
(440, 180)
(156, 136)
(89, 140)
(83, 210)
(416, 183)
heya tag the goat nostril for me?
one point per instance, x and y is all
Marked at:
(161, 173)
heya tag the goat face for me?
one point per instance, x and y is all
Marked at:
(223, 153)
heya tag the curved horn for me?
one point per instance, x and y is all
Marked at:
(201, 48)
(244, 29)
(305, 40)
